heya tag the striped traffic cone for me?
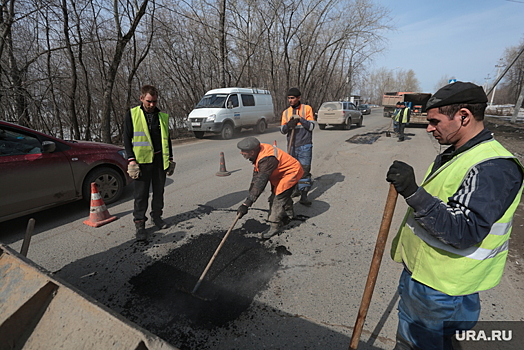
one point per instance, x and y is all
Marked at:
(222, 171)
(98, 215)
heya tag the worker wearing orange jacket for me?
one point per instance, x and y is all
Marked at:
(298, 124)
(273, 165)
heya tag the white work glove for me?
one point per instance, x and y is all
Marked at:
(171, 168)
(133, 170)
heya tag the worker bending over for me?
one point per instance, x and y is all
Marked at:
(281, 170)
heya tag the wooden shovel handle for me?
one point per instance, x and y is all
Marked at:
(215, 255)
(375, 265)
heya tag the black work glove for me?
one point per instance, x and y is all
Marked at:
(171, 168)
(242, 210)
(292, 123)
(402, 176)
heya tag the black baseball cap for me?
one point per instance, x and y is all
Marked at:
(458, 92)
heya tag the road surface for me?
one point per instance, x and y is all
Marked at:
(299, 290)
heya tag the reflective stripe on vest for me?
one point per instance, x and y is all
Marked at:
(445, 268)
(141, 141)
(288, 171)
(289, 112)
(475, 252)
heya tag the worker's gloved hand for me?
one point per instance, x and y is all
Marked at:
(133, 170)
(242, 210)
(292, 123)
(402, 176)
(171, 168)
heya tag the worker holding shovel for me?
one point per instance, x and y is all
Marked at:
(281, 170)
(454, 239)
(298, 124)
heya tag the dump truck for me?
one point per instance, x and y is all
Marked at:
(415, 101)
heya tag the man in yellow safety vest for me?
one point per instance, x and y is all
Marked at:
(150, 157)
(453, 241)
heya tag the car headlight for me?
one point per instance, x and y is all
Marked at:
(123, 154)
(211, 118)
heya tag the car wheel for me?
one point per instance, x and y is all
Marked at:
(360, 121)
(322, 126)
(347, 126)
(109, 182)
(199, 134)
(227, 131)
(386, 114)
(261, 126)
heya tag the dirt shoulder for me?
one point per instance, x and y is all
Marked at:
(511, 136)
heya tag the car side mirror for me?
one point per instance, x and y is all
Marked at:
(48, 147)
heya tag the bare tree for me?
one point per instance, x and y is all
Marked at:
(121, 42)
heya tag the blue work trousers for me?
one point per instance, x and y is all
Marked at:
(428, 319)
(304, 155)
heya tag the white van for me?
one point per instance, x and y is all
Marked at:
(224, 111)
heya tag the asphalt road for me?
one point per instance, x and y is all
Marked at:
(299, 290)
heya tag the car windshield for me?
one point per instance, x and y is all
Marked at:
(212, 101)
(363, 106)
(331, 106)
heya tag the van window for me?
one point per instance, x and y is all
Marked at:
(248, 100)
(212, 101)
(232, 101)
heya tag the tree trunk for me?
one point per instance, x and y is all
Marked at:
(121, 44)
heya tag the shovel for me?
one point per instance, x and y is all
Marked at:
(290, 146)
(214, 255)
(375, 265)
(388, 131)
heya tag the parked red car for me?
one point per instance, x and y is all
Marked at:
(38, 171)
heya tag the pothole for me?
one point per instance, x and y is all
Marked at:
(367, 139)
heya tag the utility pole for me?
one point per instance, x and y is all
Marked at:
(498, 66)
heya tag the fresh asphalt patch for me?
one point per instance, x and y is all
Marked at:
(161, 299)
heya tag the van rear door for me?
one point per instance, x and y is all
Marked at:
(249, 113)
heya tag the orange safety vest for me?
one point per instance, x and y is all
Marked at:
(288, 171)
(304, 111)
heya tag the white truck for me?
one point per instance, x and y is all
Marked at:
(224, 111)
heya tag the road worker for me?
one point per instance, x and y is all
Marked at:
(150, 156)
(298, 124)
(281, 170)
(454, 239)
(402, 118)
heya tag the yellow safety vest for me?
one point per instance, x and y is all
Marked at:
(142, 144)
(445, 268)
(402, 113)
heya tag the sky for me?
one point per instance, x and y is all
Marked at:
(464, 39)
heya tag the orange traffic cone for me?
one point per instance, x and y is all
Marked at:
(223, 171)
(98, 213)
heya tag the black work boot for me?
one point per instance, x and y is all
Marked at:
(141, 233)
(303, 198)
(161, 224)
(274, 228)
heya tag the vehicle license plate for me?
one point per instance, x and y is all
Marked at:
(195, 124)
